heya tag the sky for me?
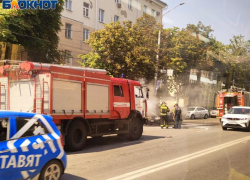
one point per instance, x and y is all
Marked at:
(226, 17)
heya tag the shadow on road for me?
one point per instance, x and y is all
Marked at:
(67, 176)
(236, 130)
(112, 142)
(192, 123)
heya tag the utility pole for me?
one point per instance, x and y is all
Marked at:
(159, 42)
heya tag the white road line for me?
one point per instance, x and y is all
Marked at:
(166, 164)
(203, 130)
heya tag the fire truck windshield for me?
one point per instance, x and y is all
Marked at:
(239, 111)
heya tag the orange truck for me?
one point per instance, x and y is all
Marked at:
(227, 99)
(82, 101)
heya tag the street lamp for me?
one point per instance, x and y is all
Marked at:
(157, 55)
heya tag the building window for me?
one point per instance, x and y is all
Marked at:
(153, 13)
(68, 31)
(145, 9)
(85, 34)
(68, 4)
(68, 57)
(130, 4)
(116, 18)
(86, 9)
(101, 15)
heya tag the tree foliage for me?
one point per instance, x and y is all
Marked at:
(36, 30)
(237, 62)
(123, 48)
(188, 49)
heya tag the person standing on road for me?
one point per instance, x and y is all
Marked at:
(163, 114)
(173, 115)
(177, 117)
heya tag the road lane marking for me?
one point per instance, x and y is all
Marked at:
(166, 164)
(203, 130)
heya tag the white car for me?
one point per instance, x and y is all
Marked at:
(237, 117)
(197, 112)
(213, 113)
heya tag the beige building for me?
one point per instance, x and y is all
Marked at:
(82, 17)
(12, 51)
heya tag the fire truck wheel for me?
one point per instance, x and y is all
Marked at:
(76, 136)
(135, 129)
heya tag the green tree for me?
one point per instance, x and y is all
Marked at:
(237, 62)
(123, 48)
(188, 49)
(35, 30)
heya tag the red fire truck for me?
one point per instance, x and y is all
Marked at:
(227, 99)
(82, 101)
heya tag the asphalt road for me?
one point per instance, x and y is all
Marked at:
(200, 150)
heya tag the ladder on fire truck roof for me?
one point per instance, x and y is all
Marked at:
(36, 66)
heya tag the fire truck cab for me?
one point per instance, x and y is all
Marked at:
(82, 101)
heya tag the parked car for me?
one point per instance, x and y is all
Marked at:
(213, 112)
(237, 117)
(153, 120)
(30, 147)
(197, 112)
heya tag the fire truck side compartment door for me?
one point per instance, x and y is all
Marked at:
(22, 95)
(67, 96)
(97, 98)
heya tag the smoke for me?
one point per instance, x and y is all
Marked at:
(153, 101)
(196, 91)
